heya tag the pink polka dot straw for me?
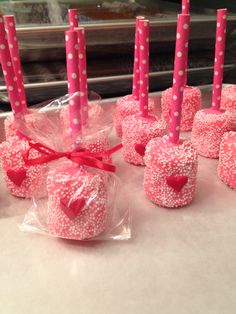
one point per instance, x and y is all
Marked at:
(83, 75)
(73, 18)
(135, 87)
(219, 58)
(8, 71)
(181, 51)
(144, 66)
(186, 10)
(15, 57)
(73, 81)
(185, 6)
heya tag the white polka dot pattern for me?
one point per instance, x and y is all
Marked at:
(182, 36)
(219, 58)
(73, 81)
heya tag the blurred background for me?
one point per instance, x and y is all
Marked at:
(110, 39)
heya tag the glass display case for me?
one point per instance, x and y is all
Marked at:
(110, 38)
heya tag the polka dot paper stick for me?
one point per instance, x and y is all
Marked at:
(8, 71)
(15, 57)
(73, 81)
(179, 72)
(144, 66)
(186, 10)
(83, 75)
(135, 88)
(185, 6)
(219, 57)
(73, 18)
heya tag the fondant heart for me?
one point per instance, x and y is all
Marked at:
(177, 182)
(73, 208)
(140, 149)
(17, 176)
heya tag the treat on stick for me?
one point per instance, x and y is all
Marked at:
(191, 97)
(83, 134)
(139, 129)
(227, 159)
(22, 180)
(210, 124)
(228, 98)
(171, 163)
(77, 202)
(129, 105)
(91, 111)
(73, 15)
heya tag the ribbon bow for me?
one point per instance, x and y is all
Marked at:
(82, 156)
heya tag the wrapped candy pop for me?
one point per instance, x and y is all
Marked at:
(227, 159)
(130, 104)
(139, 129)
(228, 98)
(171, 163)
(21, 180)
(85, 199)
(211, 124)
(191, 95)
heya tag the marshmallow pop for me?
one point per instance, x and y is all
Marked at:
(22, 180)
(91, 112)
(171, 163)
(191, 95)
(227, 159)
(210, 124)
(139, 129)
(129, 105)
(228, 98)
(77, 196)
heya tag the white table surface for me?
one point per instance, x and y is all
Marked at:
(179, 261)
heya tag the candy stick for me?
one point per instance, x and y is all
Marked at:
(8, 71)
(83, 75)
(182, 36)
(135, 88)
(219, 58)
(73, 81)
(144, 66)
(185, 6)
(15, 57)
(73, 18)
(186, 10)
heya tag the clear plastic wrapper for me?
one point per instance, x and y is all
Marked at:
(84, 199)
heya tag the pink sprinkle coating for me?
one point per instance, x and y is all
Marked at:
(166, 160)
(69, 183)
(137, 132)
(33, 177)
(191, 104)
(208, 128)
(95, 112)
(127, 106)
(227, 159)
(228, 97)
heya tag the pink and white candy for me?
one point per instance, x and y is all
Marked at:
(228, 97)
(22, 180)
(210, 124)
(138, 130)
(77, 202)
(227, 160)
(170, 172)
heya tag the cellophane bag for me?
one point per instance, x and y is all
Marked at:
(85, 199)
